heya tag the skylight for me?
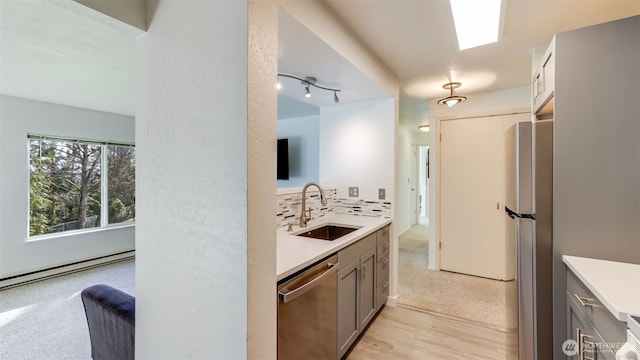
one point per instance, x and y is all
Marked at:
(477, 22)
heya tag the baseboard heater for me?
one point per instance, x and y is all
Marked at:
(66, 269)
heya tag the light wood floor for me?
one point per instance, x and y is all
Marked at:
(402, 333)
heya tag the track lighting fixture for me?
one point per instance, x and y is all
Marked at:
(451, 99)
(308, 81)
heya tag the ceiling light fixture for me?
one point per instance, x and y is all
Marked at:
(451, 99)
(424, 128)
(308, 81)
(477, 22)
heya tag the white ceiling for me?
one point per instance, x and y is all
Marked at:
(53, 50)
(61, 52)
(416, 39)
(301, 53)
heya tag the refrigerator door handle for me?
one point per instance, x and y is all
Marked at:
(512, 214)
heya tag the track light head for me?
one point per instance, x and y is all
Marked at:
(307, 82)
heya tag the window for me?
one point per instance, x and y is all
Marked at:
(76, 184)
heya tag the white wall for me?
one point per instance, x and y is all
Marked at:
(205, 278)
(303, 135)
(261, 233)
(19, 117)
(482, 104)
(407, 138)
(222, 255)
(357, 148)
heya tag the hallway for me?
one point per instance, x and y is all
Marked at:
(471, 298)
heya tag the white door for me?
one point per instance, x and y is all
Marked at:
(471, 203)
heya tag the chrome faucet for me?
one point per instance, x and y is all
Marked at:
(323, 200)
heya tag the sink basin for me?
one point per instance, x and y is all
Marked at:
(328, 232)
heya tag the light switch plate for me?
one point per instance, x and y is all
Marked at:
(382, 194)
(353, 191)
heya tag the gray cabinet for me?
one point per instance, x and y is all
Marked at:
(593, 328)
(544, 82)
(348, 321)
(367, 303)
(382, 267)
(594, 92)
(358, 287)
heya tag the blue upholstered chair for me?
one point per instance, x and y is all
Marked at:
(111, 318)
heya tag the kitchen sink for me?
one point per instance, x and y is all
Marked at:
(328, 232)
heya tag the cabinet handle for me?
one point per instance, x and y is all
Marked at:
(386, 245)
(385, 284)
(585, 302)
(364, 271)
(582, 340)
(385, 261)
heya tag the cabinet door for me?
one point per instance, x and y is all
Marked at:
(367, 287)
(544, 82)
(588, 341)
(348, 322)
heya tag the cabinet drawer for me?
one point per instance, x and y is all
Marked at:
(383, 242)
(382, 268)
(382, 293)
(355, 250)
(611, 329)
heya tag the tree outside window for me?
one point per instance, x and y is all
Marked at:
(67, 179)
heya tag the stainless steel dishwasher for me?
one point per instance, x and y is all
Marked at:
(307, 315)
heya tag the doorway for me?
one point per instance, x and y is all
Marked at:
(423, 185)
(419, 204)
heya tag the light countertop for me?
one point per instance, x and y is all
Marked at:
(296, 252)
(615, 284)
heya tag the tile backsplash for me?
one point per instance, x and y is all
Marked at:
(289, 206)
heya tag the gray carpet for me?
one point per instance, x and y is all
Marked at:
(46, 320)
(467, 297)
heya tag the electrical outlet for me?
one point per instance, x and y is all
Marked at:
(353, 191)
(382, 194)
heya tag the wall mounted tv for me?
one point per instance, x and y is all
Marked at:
(283, 159)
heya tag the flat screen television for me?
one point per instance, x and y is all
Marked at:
(283, 159)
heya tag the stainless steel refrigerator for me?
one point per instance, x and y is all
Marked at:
(528, 208)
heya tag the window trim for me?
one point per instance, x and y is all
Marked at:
(104, 185)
